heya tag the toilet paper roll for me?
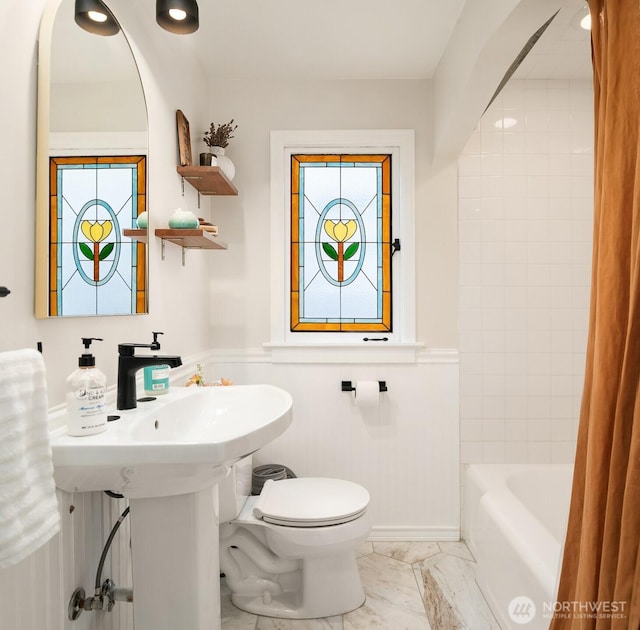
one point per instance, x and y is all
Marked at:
(367, 394)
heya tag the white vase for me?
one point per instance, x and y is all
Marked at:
(225, 164)
(183, 219)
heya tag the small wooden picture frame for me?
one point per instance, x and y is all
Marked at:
(184, 139)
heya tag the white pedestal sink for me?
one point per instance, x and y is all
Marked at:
(167, 457)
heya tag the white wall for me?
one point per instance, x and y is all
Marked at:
(407, 456)
(172, 80)
(240, 279)
(405, 452)
(525, 222)
(34, 594)
(396, 454)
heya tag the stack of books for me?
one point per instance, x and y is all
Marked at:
(208, 227)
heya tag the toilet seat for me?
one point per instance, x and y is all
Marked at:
(310, 502)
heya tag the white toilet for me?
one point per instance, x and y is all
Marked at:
(290, 552)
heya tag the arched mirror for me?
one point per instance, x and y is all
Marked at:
(91, 257)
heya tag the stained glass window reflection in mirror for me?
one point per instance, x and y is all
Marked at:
(340, 243)
(94, 269)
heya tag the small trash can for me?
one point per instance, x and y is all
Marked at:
(263, 473)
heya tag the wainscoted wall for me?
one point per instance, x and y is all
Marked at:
(405, 453)
(525, 232)
(34, 594)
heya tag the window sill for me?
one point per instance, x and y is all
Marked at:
(344, 353)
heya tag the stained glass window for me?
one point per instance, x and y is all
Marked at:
(93, 268)
(340, 243)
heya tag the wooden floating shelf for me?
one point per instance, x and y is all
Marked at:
(192, 238)
(137, 234)
(208, 180)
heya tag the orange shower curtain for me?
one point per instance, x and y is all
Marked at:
(600, 580)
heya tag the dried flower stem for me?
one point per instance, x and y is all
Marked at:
(219, 136)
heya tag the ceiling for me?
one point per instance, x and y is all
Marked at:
(361, 39)
(332, 39)
(563, 51)
(336, 39)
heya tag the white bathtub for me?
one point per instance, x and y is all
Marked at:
(515, 522)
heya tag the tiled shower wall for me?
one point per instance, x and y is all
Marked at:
(525, 233)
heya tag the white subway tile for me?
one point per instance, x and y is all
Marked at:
(493, 208)
(469, 165)
(515, 297)
(493, 453)
(470, 253)
(470, 297)
(493, 383)
(516, 143)
(492, 142)
(515, 275)
(493, 414)
(515, 232)
(493, 319)
(516, 452)
(492, 363)
(471, 430)
(524, 308)
(514, 163)
(471, 319)
(538, 430)
(470, 187)
(560, 142)
(560, 186)
(539, 452)
(537, 142)
(493, 297)
(471, 453)
(470, 363)
(493, 428)
(515, 319)
(469, 231)
(470, 274)
(515, 428)
(559, 253)
(560, 208)
(493, 252)
(516, 341)
(514, 186)
(493, 341)
(515, 384)
(493, 274)
(470, 407)
(563, 452)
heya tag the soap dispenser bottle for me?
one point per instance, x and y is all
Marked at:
(86, 396)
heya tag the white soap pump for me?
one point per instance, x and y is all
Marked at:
(86, 396)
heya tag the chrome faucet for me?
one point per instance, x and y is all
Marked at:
(129, 364)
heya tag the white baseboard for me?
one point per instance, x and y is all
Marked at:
(413, 534)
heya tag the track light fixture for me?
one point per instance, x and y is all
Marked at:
(177, 16)
(93, 16)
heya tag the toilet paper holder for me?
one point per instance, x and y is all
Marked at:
(347, 386)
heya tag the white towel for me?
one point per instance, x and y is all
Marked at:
(29, 514)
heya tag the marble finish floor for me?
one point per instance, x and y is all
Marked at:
(409, 586)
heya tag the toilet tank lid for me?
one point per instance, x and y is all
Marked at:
(312, 499)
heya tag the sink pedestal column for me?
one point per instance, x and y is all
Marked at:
(175, 561)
